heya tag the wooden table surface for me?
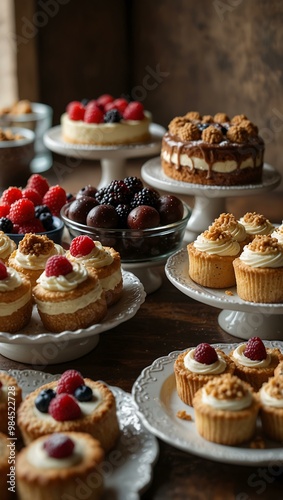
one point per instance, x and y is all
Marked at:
(167, 321)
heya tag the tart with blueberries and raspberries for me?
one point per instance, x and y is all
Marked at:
(105, 121)
(72, 403)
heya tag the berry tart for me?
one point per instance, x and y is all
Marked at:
(32, 254)
(105, 261)
(55, 466)
(255, 225)
(7, 246)
(105, 121)
(259, 271)
(211, 150)
(69, 296)
(4, 467)
(73, 403)
(211, 258)
(194, 367)
(226, 410)
(254, 363)
(15, 299)
(8, 388)
(271, 412)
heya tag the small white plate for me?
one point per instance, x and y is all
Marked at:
(39, 347)
(136, 452)
(155, 395)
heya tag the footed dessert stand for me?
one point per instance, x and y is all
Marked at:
(210, 201)
(112, 158)
(239, 318)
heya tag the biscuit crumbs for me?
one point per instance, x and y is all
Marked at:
(7, 135)
(221, 118)
(237, 134)
(207, 119)
(274, 387)
(226, 387)
(216, 233)
(193, 115)
(33, 244)
(228, 292)
(176, 123)
(254, 218)
(183, 415)
(238, 119)
(250, 127)
(189, 132)
(212, 134)
(257, 443)
(265, 244)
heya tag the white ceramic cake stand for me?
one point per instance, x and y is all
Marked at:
(239, 318)
(210, 201)
(112, 158)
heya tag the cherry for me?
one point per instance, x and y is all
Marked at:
(170, 209)
(143, 217)
(80, 207)
(104, 216)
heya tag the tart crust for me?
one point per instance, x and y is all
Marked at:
(15, 393)
(20, 317)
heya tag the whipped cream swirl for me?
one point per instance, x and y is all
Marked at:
(278, 234)
(238, 355)
(262, 259)
(97, 258)
(7, 246)
(252, 227)
(227, 404)
(12, 281)
(238, 232)
(64, 283)
(269, 400)
(32, 261)
(229, 247)
(194, 366)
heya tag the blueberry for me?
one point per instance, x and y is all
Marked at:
(112, 116)
(202, 126)
(41, 209)
(6, 225)
(223, 130)
(43, 400)
(85, 101)
(83, 393)
(47, 221)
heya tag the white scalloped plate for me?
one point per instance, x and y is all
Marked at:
(137, 449)
(155, 395)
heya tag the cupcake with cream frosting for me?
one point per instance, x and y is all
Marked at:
(15, 299)
(254, 363)
(271, 412)
(226, 410)
(68, 296)
(259, 271)
(195, 367)
(211, 258)
(105, 261)
(7, 246)
(256, 224)
(32, 254)
(278, 234)
(228, 222)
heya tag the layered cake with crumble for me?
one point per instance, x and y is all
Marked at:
(105, 121)
(213, 150)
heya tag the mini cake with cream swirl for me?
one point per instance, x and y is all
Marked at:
(256, 224)
(15, 299)
(211, 258)
(278, 234)
(271, 397)
(259, 271)
(196, 366)
(7, 246)
(69, 296)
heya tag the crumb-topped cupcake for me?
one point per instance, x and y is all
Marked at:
(15, 300)
(8, 388)
(228, 222)
(4, 467)
(7, 246)
(68, 296)
(259, 271)
(32, 254)
(255, 363)
(55, 465)
(72, 403)
(271, 412)
(211, 258)
(278, 234)
(195, 367)
(104, 260)
(226, 410)
(256, 224)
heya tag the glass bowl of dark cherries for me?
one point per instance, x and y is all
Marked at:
(139, 222)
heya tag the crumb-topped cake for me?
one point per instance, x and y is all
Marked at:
(7, 246)
(271, 412)
(212, 150)
(228, 222)
(259, 271)
(72, 403)
(256, 224)
(15, 299)
(226, 410)
(211, 258)
(105, 121)
(57, 465)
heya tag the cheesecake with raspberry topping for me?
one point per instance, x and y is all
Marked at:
(212, 150)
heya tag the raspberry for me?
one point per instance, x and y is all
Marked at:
(81, 246)
(104, 99)
(59, 446)
(21, 211)
(32, 226)
(39, 183)
(32, 195)
(4, 209)
(134, 111)
(255, 349)
(205, 354)
(6, 225)
(69, 381)
(64, 407)
(120, 104)
(58, 265)
(76, 111)
(3, 271)
(55, 198)
(145, 196)
(93, 114)
(11, 195)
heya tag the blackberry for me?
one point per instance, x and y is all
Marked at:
(100, 193)
(146, 196)
(41, 209)
(123, 211)
(115, 193)
(134, 184)
(47, 221)
(112, 116)
(6, 225)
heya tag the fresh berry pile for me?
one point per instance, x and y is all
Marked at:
(62, 404)
(105, 109)
(255, 349)
(31, 209)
